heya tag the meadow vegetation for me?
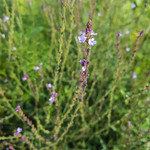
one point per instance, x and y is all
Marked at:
(75, 74)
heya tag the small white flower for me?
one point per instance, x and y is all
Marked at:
(52, 99)
(99, 14)
(83, 68)
(92, 42)
(19, 130)
(41, 63)
(127, 49)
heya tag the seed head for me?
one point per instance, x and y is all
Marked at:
(89, 27)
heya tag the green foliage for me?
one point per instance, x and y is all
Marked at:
(115, 111)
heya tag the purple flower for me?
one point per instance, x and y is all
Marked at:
(82, 32)
(36, 68)
(52, 99)
(18, 108)
(134, 76)
(127, 31)
(25, 77)
(29, 3)
(92, 42)
(127, 49)
(6, 80)
(19, 130)
(87, 13)
(133, 5)
(6, 18)
(82, 62)
(14, 48)
(145, 4)
(82, 38)
(16, 133)
(92, 33)
(129, 123)
(141, 33)
(140, 131)
(12, 58)
(119, 34)
(54, 94)
(99, 14)
(80, 71)
(3, 35)
(49, 85)
(41, 64)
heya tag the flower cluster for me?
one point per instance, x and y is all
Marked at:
(52, 99)
(82, 38)
(18, 108)
(86, 36)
